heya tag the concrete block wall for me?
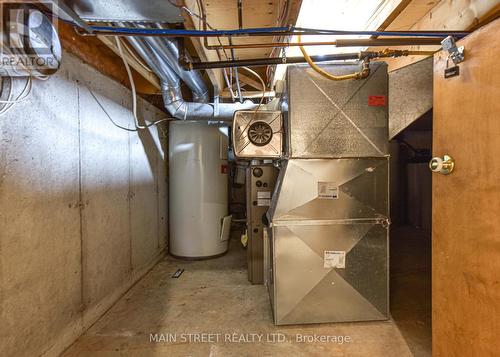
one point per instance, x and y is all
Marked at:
(83, 207)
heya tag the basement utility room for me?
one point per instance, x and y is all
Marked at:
(215, 178)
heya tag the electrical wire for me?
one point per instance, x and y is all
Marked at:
(134, 93)
(203, 18)
(23, 95)
(106, 112)
(236, 75)
(109, 116)
(229, 86)
(7, 107)
(261, 82)
(9, 103)
(132, 84)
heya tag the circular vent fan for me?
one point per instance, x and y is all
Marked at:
(260, 133)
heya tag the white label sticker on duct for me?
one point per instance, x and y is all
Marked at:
(263, 202)
(334, 259)
(263, 194)
(328, 191)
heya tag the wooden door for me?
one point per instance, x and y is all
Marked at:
(466, 203)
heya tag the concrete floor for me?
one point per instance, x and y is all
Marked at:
(411, 287)
(215, 297)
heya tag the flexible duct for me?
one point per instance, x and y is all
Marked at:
(168, 52)
(154, 53)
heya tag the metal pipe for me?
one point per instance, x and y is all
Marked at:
(171, 89)
(259, 32)
(153, 60)
(338, 43)
(167, 50)
(183, 110)
(260, 62)
(236, 75)
(368, 42)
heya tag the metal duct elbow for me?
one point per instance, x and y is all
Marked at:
(154, 54)
(180, 109)
(166, 49)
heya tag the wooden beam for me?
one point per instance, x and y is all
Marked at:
(386, 14)
(447, 16)
(413, 13)
(222, 14)
(146, 73)
(250, 81)
(93, 52)
(490, 16)
(191, 23)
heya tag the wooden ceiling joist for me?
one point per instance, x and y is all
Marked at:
(223, 14)
(133, 62)
(457, 15)
(386, 13)
(247, 80)
(100, 56)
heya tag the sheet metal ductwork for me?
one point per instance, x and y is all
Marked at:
(327, 242)
(162, 56)
(168, 52)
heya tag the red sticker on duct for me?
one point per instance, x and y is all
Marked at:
(224, 169)
(377, 100)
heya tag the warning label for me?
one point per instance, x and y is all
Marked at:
(263, 198)
(263, 194)
(261, 202)
(377, 100)
(328, 191)
(334, 259)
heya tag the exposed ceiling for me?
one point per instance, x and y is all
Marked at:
(325, 14)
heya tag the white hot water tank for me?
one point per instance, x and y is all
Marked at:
(198, 190)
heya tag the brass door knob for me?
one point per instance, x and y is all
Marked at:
(442, 165)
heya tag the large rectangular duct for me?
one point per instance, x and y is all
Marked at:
(329, 241)
(332, 189)
(331, 119)
(127, 10)
(411, 95)
(328, 237)
(330, 272)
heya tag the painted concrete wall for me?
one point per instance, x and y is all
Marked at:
(83, 207)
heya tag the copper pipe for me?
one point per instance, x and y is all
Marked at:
(421, 53)
(338, 43)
